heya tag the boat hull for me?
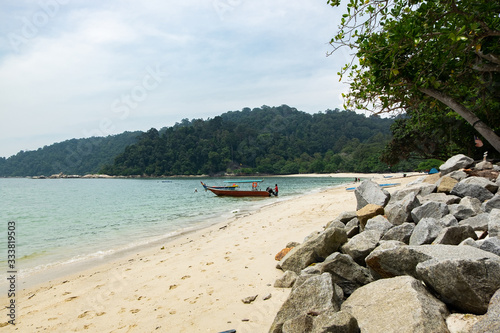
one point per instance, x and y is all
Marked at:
(238, 193)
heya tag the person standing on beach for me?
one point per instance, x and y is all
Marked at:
(276, 189)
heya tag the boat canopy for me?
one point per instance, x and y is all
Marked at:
(244, 181)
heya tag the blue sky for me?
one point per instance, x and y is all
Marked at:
(73, 69)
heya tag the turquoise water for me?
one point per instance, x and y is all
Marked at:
(64, 221)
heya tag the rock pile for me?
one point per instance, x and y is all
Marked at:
(402, 262)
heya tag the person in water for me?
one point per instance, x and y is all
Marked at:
(276, 190)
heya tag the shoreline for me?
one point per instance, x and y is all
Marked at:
(194, 282)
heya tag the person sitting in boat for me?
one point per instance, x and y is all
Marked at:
(270, 190)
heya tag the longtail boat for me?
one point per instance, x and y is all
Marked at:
(254, 192)
(228, 187)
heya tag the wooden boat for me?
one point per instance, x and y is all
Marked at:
(228, 187)
(254, 192)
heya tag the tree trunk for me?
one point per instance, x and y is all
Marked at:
(468, 115)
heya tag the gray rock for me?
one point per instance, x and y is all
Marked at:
(313, 250)
(481, 181)
(361, 245)
(400, 233)
(458, 175)
(491, 321)
(491, 204)
(398, 212)
(332, 321)
(431, 209)
(491, 245)
(345, 217)
(483, 165)
(369, 192)
(471, 190)
(378, 223)
(455, 235)
(352, 227)
(401, 304)
(303, 277)
(249, 299)
(346, 273)
(292, 244)
(464, 283)
(425, 231)
(473, 203)
(455, 163)
(317, 294)
(441, 197)
(448, 221)
(421, 189)
(478, 222)
(299, 324)
(286, 281)
(335, 224)
(469, 242)
(494, 223)
(461, 212)
(368, 212)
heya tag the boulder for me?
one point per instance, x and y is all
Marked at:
(361, 245)
(346, 273)
(425, 231)
(441, 197)
(335, 321)
(464, 283)
(345, 217)
(369, 192)
(299, 324)
(335, 224)
(484, 165)
(315, 249)
(456, 162)
(448, 221)
(280, 255)
(471, 190)
(491, 245)
(491, 321)
(401, 304)
(398, 212)
(318, 294)
(481, 181)
(458, 175)
(286, 281)
(400, 233)
(430, 209)
(378, 223)
(446, 184)
(367, 212)
(491, 204)
(352, 227)
(478, 222)
(494, 223)
(455, 235)
(421, 189)
(461, 212)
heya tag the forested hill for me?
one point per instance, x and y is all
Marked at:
(273, 140)
(71, 157)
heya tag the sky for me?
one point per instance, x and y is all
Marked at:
(75, 68)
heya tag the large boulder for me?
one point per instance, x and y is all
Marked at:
(367, 212)
(471, 190)
(401, 304)
(335, 321)
(491, 245)
(463, 276)
(361, 245)
(491, 321)
(316, 295)
(456, 162)
(378, 223)
(478, 222)
(400, 233)
(494, 223)
(398, 212)
(369, 192)
(491, 204)
(481, 181)
(346, 273)
(455, 235)
(315, 249)
(441, 197)
(431, 209)
(425, 231)
(446, 184)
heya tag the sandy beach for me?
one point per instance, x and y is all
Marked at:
(194, 283)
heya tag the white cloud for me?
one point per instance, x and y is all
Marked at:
(215, 56)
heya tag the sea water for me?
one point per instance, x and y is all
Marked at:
(61, 222)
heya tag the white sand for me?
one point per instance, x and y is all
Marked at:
(194, 283)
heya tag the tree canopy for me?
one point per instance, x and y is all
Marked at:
(425, 57)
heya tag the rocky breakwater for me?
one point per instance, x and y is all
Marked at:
(424, 259)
